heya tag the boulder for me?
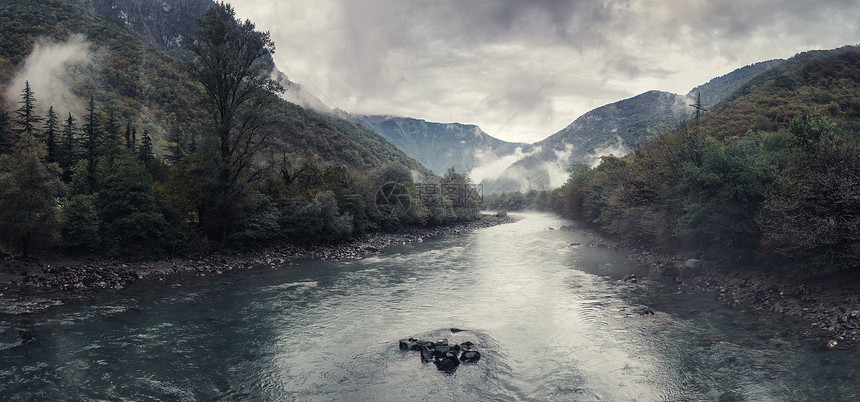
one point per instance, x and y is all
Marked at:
(691, 268)
(421, 344)
(448, 363)
(26, 336)
(407, 344)
(470, 356)
(427, 355)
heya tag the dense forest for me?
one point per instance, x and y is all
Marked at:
(93, 184)
(770, 173)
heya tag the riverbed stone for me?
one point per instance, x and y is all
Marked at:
(470, 356)
(693, 263)
(448, 362)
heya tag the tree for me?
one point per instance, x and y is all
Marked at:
(25, 116)
(92, 140)
(51, 121)
(176, 146)
(144, 153)
(814, 217)
(722, 196)
(130, 136)
(233, 64)
(68, 154)
(130, 220)
(111, 127)
(7, 136)
(28, 203)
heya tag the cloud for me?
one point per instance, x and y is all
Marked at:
(47, 69)
(615, 148)
(490, 166)
(481, 62)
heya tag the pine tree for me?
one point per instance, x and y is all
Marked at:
(92, 137)
(51, 121)
(176, 146)
(25, 116)
(192, 143)
(68, 154)
(92, 142)
(130, 136)
(111, 127)
(145, 151)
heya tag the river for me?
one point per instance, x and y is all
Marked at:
(551, 319)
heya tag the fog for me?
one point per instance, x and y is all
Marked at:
(49, 68)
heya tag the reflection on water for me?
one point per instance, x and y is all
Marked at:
(551, 320)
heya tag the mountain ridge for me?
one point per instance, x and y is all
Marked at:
(150, 89)
(439, 146)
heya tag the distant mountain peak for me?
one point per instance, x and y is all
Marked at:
(440, 146)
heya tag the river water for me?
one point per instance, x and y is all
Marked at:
(551, 319)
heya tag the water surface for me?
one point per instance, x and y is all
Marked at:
(552, 321)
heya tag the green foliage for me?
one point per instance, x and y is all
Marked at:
(319, 220)
(259, 225)
(80, 230)
(722, 196)
(51, 124)
(123, 200)
(7, 140)
(130, 221)
(26, 117)
(826, 80)
(28, 198)
(814, 218)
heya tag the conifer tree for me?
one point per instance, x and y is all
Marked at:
(92, 139)
(51, 121)
(25, 116)
(130, 136)
(192, 143)
(92, 142)
(145, 152)
(68, 154)
(111, 127)
(176, 146)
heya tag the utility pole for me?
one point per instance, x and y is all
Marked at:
(699, 108)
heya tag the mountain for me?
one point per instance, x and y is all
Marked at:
(718, 88)
(770, 174)
(168, 25)
(824, 80)
(611, 128)
(440, 146)
(164, 24)
(614, 128)
(130, 62)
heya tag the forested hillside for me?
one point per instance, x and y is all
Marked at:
(110, 146)
(772, 172)
(150, 90)
(615, 129)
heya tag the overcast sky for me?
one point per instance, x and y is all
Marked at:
(523, 70)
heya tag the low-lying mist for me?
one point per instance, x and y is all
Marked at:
(48, 69)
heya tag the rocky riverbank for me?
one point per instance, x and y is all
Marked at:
(64, 274)
(830, 305)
